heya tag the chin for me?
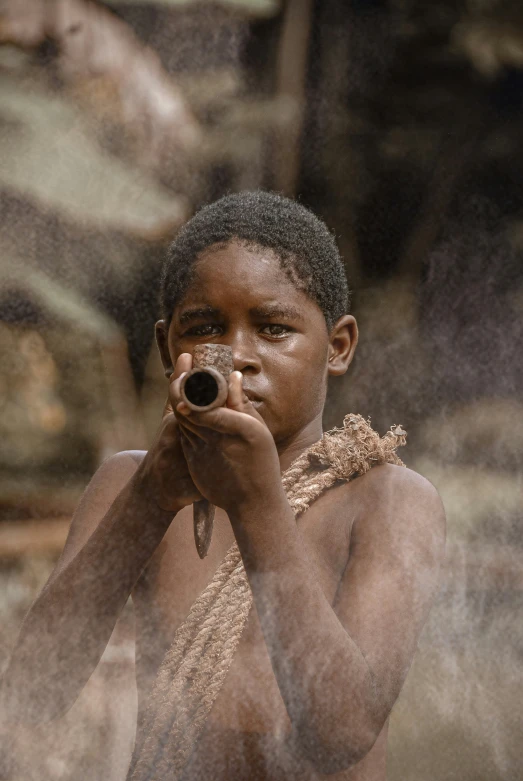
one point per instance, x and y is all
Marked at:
(282, 434)
(282, 429)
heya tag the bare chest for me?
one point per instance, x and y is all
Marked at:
(249, 699)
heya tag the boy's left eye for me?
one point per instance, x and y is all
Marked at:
(277, 330)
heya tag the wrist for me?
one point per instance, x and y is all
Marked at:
(256, 506)
(264, 532)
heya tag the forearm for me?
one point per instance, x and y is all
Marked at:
(70, 623)
(323, 678)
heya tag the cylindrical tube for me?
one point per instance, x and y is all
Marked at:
(206, 387)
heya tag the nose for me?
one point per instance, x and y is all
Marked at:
(244, 354)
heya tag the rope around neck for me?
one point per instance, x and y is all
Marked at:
(194, 667)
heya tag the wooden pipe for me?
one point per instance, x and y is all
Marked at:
(206, 387)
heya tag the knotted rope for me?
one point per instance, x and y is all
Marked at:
(194, 667)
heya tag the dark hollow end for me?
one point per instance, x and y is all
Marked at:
(201, 389)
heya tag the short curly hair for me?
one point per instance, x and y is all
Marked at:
(304, 245)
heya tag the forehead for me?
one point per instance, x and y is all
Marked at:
(242, 276)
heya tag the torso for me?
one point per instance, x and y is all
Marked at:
(243, 738)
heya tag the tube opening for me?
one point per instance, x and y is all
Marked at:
(201, 389)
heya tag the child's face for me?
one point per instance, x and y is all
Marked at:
(278, 335)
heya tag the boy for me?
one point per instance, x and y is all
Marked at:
(341, 594)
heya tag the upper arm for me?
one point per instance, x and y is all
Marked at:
(396, 551)
(104, 487)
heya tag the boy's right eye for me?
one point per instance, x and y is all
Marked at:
(201, 330)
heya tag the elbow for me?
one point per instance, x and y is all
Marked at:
(341, 758)
(335, 756)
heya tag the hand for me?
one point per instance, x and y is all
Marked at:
(230, 452)
(164, 472)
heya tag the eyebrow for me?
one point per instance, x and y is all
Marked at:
(284, 311)
(198, 313)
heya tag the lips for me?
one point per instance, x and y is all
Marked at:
(251, 395)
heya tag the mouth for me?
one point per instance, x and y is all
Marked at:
(253, 397)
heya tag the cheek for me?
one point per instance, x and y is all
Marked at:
(311, 367)
(299, 386)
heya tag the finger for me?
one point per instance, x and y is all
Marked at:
(187, 425)
(175, 390)
(236, 398)
(222, 420)
(182, 366)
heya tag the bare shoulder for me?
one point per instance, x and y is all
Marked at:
(387, 480)
(111, 476)
(381, 484)
(392, 502)
(105, 485)
(136, 455)
(397, 500)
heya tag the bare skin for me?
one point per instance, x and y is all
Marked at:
(339, 597)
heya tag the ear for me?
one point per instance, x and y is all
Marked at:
(161, 332)
(342, 344)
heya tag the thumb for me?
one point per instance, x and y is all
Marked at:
(236, 398)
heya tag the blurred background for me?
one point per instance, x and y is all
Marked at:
(399, 123)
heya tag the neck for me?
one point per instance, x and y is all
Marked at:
(291, 448)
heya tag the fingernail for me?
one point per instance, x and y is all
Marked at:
(182, 375)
